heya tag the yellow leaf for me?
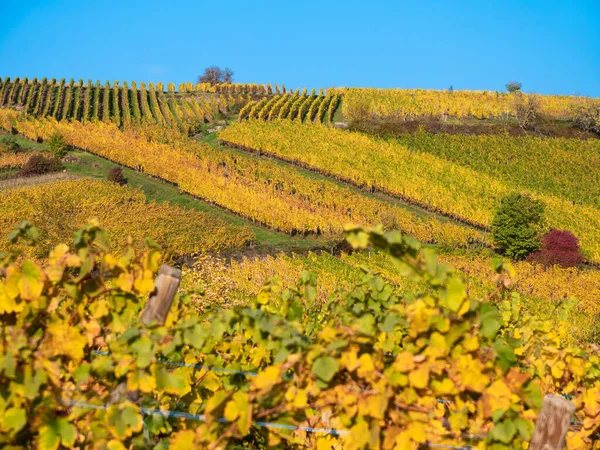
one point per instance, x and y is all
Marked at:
(262, 298)
(267, 377)
(125, 282)
(144, 285)
(416, 432)
(365, 365)
(419, 378)
(404, 362)
(183, 440)
(557, 372)
(326, 443)
(359, 436)
(31, 282)
(115, 445)
(444, 387)
(239, 408)
(62, 339)
(141, 380)
(99, 308)
(8, 304)
(301, 399)
(495, 397)
(349, 360)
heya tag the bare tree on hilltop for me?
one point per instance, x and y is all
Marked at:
(216, 75)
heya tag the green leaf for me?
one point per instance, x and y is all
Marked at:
(123, 420)
(366, 324)
(390, 321)
(33, 382)
(144, 349)
(357, 238)
(66, 431)
(310, 293)
(14, 419)
(504, 432)
(48, 438)
(534, 398)
(491, 320)
(456, 294)
(171, 382)
(525, 428)
(506, 354)
(325, 368)
(430, 257)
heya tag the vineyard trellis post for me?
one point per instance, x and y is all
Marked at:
(165, 287)
(156, 311)
(552, 424)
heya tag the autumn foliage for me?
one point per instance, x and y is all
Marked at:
(384, 369)
(559, 247)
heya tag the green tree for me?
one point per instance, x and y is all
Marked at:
(57, 145)
(513, 86)
(518, 225)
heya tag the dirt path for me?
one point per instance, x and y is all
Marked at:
(13, 183)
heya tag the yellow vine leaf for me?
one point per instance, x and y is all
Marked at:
(266, 378)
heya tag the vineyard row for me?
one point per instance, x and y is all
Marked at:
(301, 107)
(122, 105)
(265, 191)
(403, 104)
(422, 178)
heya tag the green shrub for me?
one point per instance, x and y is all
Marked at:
(518, 225)
(57, 145)
(10, 144)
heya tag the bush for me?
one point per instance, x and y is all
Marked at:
(527, 110)
(38, 165)
(57, 145)
(116, 176)
(559, 247)
(587, 117)
(10, 144)
(518, 225)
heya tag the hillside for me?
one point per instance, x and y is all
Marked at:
(296, 311)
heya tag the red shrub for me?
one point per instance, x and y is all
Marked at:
(559, 247)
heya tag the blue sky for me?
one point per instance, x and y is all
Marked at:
(549, 46)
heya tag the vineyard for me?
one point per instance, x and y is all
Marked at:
(419, 177)
(260, 190)
(63, 207)
(382, 373)
(286, 316)
(296, 106)
(414, 103)
(119, 104)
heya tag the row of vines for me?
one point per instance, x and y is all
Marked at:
(361, 103)
(422, 178)
(262, 190)
(236, 88)
(121, 104)
(60, 208)
(302, 107)
(542, 289)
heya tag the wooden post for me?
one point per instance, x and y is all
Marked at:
(552, 424)
(159, 303)
(156, 310)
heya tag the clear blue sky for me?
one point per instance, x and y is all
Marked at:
(549, 46)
